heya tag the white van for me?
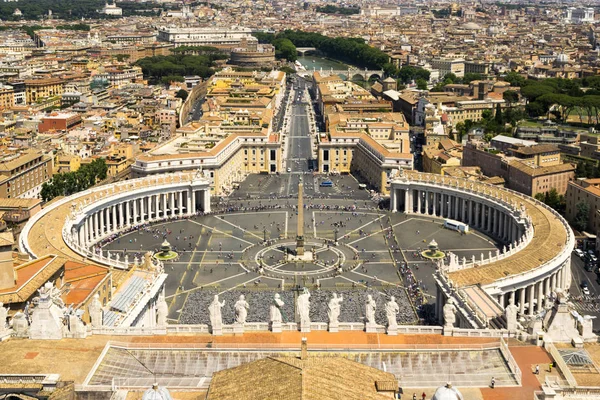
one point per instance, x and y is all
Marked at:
(456, 226)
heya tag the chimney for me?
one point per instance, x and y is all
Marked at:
(304, 350)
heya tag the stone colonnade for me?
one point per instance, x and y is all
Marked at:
(139, 207)
(485, 216)
(485, 213)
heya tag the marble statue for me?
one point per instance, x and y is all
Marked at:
(48, 315)
(76, 326)
(370, 310)
(449, 314)
(20, 325)
(303, 308)
(510, 312)
(3, 315)
(162, 310)
(275, 310)
(391, 311)
(148, 264)
(216, 320)
(95, 310)
(334, 308)
(241, 310)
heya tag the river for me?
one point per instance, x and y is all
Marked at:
(319, 62)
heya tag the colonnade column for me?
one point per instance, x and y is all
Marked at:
(193, 201)
(531, 298)
(127, 213)
(142, 209)
(426, 202)
(456, 205)
(180, 202)
(522, 301)
(540, 296)
(113, 211)
(418, 202)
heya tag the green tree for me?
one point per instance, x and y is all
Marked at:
(421, 84)
(284, 48)
(498, 115)
(182, 94)
(471, 76)
(510, 97)
(581, 217)
(514, 78)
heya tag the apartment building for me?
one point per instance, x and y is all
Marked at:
(22, 174)
(7, 96)
(37, 89)
(372, 146)
(587, 191)
(59, 121)
(526, 169)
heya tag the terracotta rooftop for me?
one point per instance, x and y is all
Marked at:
(30, 277)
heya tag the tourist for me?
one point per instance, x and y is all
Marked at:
(537, 369)
(414, 396)
(493, 383)
(423, 396)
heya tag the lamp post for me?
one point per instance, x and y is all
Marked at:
(335, 236)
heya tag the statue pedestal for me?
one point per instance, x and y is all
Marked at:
(238, 328)
(448, 330)
(392, 330)
(334, 327)
(276, 327)
(305, 328)
(217, 330)
(370, 328)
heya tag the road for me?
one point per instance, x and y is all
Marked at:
(580, 275)
(298, 143)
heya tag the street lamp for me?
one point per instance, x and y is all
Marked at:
(335, 236)
(265, 234)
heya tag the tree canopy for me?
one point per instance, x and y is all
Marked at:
(67, 183)
(179, 65)
(331, 9)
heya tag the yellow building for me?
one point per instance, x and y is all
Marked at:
(36, 89)
(7, 97)
(66, 163)
(442, 155)
(373, 146)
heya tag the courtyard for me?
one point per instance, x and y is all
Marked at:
(244, 247)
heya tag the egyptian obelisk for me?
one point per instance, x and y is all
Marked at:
(300, 235)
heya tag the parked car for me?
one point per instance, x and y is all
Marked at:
(585, 288)
(579, 253)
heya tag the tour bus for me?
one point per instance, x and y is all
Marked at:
(326, 183)
(456, 226)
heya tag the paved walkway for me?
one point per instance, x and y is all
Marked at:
(527, 357)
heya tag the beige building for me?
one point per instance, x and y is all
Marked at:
(587, 191)
(373, 146)
(526, 169)
(36, 89)
(22, 174)
(234, 136)
(444, 154)
(7, 97)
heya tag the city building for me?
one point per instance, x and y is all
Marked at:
(584, 191)
(111, 9)
(23, 173)
(59, 122)
(220, 37)
(526, 169)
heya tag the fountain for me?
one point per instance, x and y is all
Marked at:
(433, 252)
(165, 252)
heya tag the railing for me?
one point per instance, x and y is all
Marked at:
(312, 346)
(510, 360)
(560, 363)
